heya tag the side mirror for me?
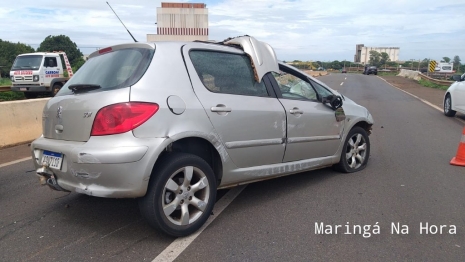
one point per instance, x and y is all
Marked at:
(334, 101)
(457, 78)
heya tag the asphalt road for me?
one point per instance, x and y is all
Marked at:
(408, 181)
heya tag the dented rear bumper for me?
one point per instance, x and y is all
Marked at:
(100, 167)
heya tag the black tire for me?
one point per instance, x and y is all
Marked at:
(352, 163)
(30, 95)
(174, 167)
(55, 89)
(448, 106)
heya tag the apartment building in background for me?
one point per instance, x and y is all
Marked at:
(362, 53)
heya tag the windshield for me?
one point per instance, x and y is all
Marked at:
(27, 62)
(117, 69)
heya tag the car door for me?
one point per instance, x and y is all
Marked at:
(458, 98)
(312, 128)
(52, 70)
(245, 114)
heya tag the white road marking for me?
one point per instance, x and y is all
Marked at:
(15, 162)
(422, 100)
(180, 244)
(342, 83)
(345, 78)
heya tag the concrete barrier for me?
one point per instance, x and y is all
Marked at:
(20, 121)
(410, 74)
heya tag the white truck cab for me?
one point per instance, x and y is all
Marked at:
(41, 72)
(444, 68)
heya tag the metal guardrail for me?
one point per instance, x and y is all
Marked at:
(436, 81)
(5, 88)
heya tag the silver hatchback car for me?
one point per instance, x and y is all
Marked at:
(172, 122)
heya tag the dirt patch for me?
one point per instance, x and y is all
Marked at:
(432, 95)
(315, 73)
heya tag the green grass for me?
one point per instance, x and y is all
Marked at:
(390, 73)
(431, 84)
(5, 82)
(10, 96)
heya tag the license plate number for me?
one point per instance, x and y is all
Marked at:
(53, 159)
(22, 89)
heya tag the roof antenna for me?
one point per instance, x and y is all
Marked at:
(122, 23)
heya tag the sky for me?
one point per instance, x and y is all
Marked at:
(305, 30)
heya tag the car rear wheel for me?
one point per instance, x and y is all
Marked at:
(180, 196)
(356, 151)
(448, 106)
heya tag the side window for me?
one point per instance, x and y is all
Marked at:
(293, 87)
(50, 62)
(227, 73)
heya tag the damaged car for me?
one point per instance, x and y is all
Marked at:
(170, 123)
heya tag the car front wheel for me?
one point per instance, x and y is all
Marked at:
(180, 196)
(55, 89)
(356, 151)
(448, 106)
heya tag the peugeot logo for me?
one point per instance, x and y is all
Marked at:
(59, 110)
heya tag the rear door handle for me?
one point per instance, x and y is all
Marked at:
(220, 109)
(296, 110)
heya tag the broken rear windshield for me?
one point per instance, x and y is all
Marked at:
(113, 70)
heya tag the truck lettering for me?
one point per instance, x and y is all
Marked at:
(23, 72)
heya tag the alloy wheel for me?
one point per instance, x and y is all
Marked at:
(185, 196)
(447, 105)
(356, 151)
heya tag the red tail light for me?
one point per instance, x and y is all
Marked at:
(122, 117)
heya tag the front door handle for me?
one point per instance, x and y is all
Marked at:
(296, 111)
(220, 109)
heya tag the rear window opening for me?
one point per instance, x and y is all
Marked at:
(115, 69)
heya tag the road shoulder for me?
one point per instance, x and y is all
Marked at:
(432, 95)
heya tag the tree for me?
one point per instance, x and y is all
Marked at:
(8, 53)
(375, 58)
(63, 43)
(336, 65)
(456, 62)
(424, 63)
(315, 65)
(445, 59)
(384, 58)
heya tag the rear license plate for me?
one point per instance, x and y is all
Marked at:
(22, 89)
(53, 159)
